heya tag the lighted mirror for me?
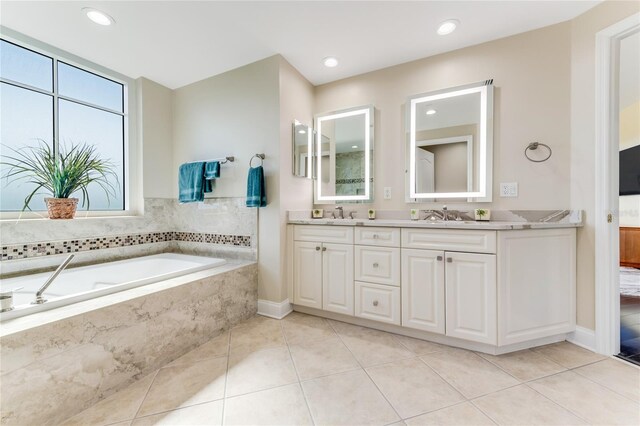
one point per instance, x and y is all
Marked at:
(302, 138)
(344, 153)
(450, 146)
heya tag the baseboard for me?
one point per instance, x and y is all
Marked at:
(275, 310)
(583, 337)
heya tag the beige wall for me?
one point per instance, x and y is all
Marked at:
(583, 157)
(531, 73)
(237, 113)
(155, 119)
(630, 126)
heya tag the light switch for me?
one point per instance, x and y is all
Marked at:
(509, 189)
(387, 192)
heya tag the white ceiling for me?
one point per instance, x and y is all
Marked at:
(179, 42)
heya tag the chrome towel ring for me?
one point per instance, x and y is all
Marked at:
(260, 156)
(533, 146)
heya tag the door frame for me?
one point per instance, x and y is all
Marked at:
(607, 251)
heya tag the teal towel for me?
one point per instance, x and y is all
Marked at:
(211, 171)
(191, 182)
(256, 194)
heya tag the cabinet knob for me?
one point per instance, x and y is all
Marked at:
(375, 265)
(439, 258)
(324, 249)
(449, 260)
(317, 248)
(375, 236)
(375, 303)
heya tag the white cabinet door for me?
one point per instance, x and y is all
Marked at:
(337, 278)
(471, 297)
(423, 290)
(307, 274)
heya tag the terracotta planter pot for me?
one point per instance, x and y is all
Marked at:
(61, 208)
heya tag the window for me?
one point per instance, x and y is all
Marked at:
(49, 98)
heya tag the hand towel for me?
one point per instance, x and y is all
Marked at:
(191, 182)
(211, 171)
(256, 194)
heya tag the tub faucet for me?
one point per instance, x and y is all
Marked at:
(39, 299)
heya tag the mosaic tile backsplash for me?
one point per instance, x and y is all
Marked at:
(29, 250)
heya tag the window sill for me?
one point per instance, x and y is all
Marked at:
(33, 216)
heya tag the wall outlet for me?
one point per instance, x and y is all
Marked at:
(387, 192)
(509, 189)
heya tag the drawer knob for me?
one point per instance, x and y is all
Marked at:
(439, 258)
(324, 249)
(317, 248)
(375, 265)
(375, 236)
(449, 259)
(375, 303)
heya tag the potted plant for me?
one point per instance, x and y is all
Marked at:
(482, 214)
(371, 213)
(71, 171)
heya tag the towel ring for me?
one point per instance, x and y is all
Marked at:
(260, 156)
(533, 146)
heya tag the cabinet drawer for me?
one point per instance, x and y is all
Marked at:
(379, 265)
(324, 234)
(378, 302)
(387, 237)
(472, 240)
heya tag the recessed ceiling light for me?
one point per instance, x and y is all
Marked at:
(354, 146)
(330, 62)
(302, 132)
(98, 16)
(448, 26)
(431, 111)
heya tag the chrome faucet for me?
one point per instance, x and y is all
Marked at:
(338, 213)
(352, 214)
(39, 299)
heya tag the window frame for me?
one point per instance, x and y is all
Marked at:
(132, 191)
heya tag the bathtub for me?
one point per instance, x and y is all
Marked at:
(88, 282)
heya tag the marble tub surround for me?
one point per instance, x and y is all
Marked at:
(500, 219)
(308, 370)
(221, 227)
(62, 361)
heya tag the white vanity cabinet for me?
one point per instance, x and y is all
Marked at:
(493, 290)
(323, 268)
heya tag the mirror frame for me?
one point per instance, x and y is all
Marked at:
(310, 136)
(485, 142)
(368, 112)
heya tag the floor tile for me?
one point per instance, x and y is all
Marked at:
(184, 385)
(301, 329)
(255, 371)
(588, 400)
(284, 405)
(209, 414)
(120, 406)
(418, 346)
(347, 399)
(214, 348)
(619, 376)
(525, 365)
(469, 373)
(256, 334)
(464, 414)
(568, 355)
(372, 347)
(522, 405)
(412, 388)
(322, 358)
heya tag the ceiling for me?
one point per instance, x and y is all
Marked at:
(179, 42)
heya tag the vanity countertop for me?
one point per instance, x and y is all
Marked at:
(451, 224)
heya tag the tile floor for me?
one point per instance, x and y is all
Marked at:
(308, 370)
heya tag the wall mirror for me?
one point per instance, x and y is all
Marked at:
(450, 143)
(302, 138)
(344, 153)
